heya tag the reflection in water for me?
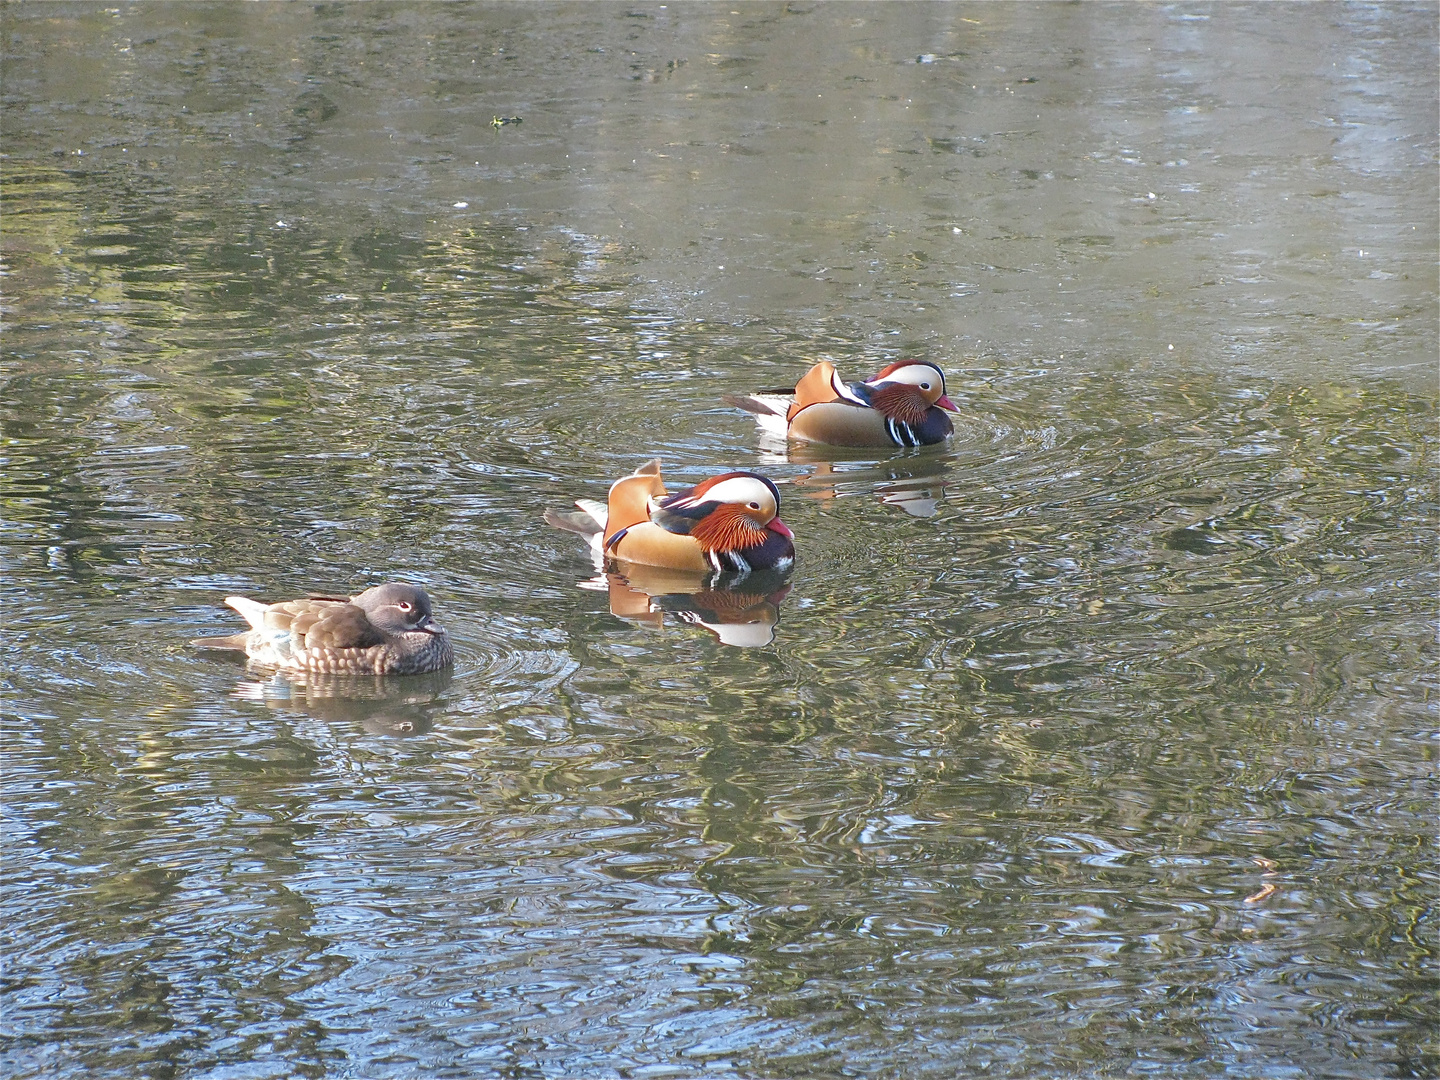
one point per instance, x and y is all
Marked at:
(381, 704)
(740, 610)
(913, 483)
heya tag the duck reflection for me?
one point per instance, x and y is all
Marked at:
(382, 704)
(914, 483)
(739, 610)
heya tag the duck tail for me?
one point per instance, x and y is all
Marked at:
(759, 404)
(253, 610)
(234, 641)
(586, 522)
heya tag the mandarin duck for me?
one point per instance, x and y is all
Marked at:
(728, 523)
(387, 630)
(903, 404)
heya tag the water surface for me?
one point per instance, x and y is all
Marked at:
(1099, 742)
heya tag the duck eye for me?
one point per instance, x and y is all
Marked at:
(404, 605)
(924, 386)
(754, 506)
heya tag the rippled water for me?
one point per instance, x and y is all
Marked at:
(1099, 742)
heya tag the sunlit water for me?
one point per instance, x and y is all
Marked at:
(1099, 742)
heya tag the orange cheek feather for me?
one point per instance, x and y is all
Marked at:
(901, 402)
(728, 528)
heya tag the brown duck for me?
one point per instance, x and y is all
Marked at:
(387, 630)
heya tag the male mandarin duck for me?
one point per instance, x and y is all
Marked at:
(387, 630)
(903, 404)
(728, 523)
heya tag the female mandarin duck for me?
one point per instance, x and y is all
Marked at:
(903, 404)
(387, 630)
(727, 523)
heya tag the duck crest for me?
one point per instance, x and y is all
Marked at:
(890, 369)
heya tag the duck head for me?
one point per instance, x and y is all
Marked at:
(730, 512)
(907, 390)
(397, 608)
